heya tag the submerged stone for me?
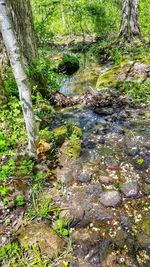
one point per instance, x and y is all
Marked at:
(85, 177)
(110, 198)
(130, 189)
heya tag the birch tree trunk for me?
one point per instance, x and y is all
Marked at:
(129, 27)
(14, 54)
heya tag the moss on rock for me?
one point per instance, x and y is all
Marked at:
(60, 134)
(125, 71)
(74, 146)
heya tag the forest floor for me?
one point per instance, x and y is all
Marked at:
(85, 202)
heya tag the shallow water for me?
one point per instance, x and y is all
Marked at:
(115, 152)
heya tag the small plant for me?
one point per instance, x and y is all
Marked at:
(140, 161)
(61, 227)
(10, 84)
(20, 201)
(3, 191)
(7, 169)
(9, 251)
(26, 167)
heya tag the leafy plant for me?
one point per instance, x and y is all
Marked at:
(7, 169)
(25, 167)
(20, 200)
(3, 191)
(138, 92)
(140, 161)
(61, 227)
(10, 84)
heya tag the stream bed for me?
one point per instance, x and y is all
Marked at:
(106, 189)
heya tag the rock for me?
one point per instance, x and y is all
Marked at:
(120, 238)
(143, 240)
(90, 144)
(106, 179)
(129, 189)
(132, 151)
(101, 141)
(48, 241)
(60, 134)
(85, 177)
(104, 111)
(83, 202)
(147, 188)
(112, 163)
(143, 233)
(125, 71)
(110, 198)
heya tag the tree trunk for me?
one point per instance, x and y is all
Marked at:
(129, 27)
(21, 14)
(14, 54)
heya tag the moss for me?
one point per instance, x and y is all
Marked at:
(60, 134)
(70, 132)
(146, 225)
(117, 73)
(73, 129)
(74, 146)
(109, 78)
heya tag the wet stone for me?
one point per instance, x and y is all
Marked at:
(110, 198)
(132, 151)
(90, 144)
(129, 189)
(85, 177)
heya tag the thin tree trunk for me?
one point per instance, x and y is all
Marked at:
(129, 27)
(14, 54)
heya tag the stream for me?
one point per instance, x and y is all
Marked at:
(107, 188)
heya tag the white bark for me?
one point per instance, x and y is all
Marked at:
(14, 54)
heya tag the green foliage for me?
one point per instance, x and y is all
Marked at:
(12, 129)
(38, 181)
(15, 255)
(10, 84)
(139, 92)
(9, 251)
(3, 191)
(25, 167)
(70, 59)
(77, 17)
(20, 201)
(60, 227)
(42, 73)
(43, 207)
(140, 161)
(7, 170)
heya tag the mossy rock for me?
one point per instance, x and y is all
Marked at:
(73, 129)
(74, 146)
(68, 65)
(125, 71)
(42, 237)
(60, 134)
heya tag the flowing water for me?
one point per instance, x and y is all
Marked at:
(108, 186)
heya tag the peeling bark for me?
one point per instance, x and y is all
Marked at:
(15, 57)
